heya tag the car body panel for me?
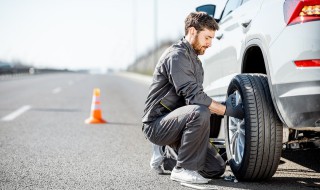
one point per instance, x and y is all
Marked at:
(295, 91)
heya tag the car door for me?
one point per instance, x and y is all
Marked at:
(229, 45)
(219, 64)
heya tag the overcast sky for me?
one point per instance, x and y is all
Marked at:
(78, 34)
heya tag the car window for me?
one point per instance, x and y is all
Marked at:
(230, 6)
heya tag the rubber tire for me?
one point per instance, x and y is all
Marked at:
(263, 130)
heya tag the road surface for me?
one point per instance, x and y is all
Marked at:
(45, 144)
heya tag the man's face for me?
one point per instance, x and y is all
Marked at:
(202, 40)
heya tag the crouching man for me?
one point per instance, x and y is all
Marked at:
(177, 111)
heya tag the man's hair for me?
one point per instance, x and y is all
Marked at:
(200, 21)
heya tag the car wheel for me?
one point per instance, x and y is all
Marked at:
(253, 144)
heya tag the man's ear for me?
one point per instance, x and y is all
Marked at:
(192, 31)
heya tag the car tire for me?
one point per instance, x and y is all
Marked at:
(253, 144)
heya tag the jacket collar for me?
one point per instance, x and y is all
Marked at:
(189, 47)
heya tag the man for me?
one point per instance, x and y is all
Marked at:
(177, 111)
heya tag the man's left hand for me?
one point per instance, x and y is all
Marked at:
(232, 109)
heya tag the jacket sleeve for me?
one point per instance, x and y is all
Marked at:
(183, 77)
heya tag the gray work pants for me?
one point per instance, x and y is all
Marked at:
(186, 129)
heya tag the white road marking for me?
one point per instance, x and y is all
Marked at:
(197, 186)
(56, 90)
(16, 113)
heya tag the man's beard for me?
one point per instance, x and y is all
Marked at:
(198, 48)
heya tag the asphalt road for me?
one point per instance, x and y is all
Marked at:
(45, 144)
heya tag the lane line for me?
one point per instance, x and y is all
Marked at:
(56, 90)
(16, 113)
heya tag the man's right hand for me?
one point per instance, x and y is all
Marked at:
(232, 109)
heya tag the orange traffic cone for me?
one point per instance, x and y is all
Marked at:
(96, 114)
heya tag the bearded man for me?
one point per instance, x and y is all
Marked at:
(177, 111)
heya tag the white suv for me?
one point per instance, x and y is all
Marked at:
(267, 52)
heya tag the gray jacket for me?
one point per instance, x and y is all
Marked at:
(177, 81)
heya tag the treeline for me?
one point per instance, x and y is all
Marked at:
(146, 63)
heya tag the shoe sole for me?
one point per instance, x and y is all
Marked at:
(192, 182)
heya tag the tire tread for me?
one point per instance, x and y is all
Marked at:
(263, 139)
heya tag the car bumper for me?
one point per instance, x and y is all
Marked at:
(299, 104)
(296, 90)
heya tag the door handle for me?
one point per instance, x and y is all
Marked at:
(246, 23)
(219, 36)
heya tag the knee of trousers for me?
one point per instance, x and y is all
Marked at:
(202, 113)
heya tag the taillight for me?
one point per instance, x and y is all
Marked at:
(300, 11)
(307, 63)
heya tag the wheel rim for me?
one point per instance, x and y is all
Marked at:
(236, 134)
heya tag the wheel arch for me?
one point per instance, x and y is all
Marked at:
(254, 51)
(253, 61)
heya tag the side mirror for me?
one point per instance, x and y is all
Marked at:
(209, 9)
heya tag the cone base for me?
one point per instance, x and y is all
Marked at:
(95, 121)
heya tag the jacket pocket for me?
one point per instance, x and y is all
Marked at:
(172, 102)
